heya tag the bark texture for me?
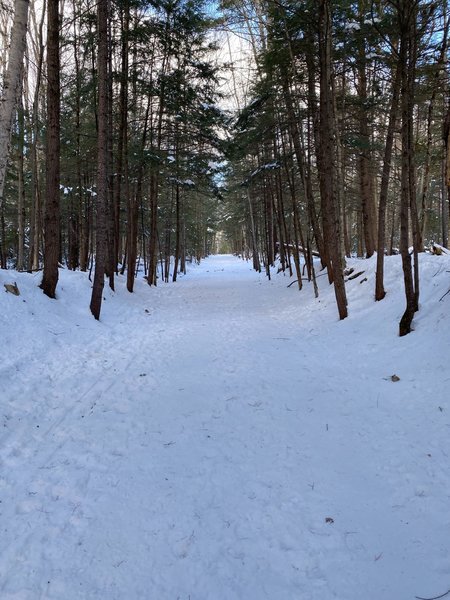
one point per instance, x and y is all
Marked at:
(330, 213)
(11, 85)
(102, 160)
(52, 230)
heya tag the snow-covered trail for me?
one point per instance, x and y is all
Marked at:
(223, 438)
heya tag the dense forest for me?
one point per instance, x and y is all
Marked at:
(134, 137)
(219, 223)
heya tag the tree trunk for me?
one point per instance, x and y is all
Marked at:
(407, 149)
(387, 161)
(177, 233)
(255, 255)
(152, 250)
(21, 195)
(102, 159)
(304, 176)
(426, 178)
(52, 205)
(134, 203)
(123, 111)
(35, 228)
(11, 85)
(365, 159)
(132, 228)
(330, 213)
(445, 199)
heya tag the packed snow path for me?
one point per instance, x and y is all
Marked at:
(221, 438)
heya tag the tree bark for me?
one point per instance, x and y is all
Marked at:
(330, 214)
(365, 158)
(35, 228)
(407, 74)
(52, 205)
(21, 194)
(304, 176)
(11, 85)
(430, 117)
(445, 200)
(102, 160)
(387, 161)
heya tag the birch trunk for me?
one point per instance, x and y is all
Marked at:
(11, 86)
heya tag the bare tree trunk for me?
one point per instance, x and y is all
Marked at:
(154, 176)
(21, 195)
(314, 117)
(35, 229)
(445, 199)
(387, 161)
(123, 111)
(11, 85)
(304, 176)
(102, 159)
(132, 228)
(330, 214)
(255, 255)
(52, 230)
(76, 201)
(407, 71)
(152, 250)
(177, 233)
(296, 221)
(134, 203)
(111, 259)
(365, 158)
(426, 178)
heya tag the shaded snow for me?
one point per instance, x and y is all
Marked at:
(194, 442)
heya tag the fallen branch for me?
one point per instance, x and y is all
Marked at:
(434, 597)
(355, 275)
(447, 292)
(299, 248)
(296, 280)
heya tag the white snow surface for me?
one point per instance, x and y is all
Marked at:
(223, 438)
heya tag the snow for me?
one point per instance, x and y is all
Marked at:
(352, 26)
(224, 438)
(186, 182)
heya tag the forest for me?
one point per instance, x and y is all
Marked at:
(133, 134)
(224, 300)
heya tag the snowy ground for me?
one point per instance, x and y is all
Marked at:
(224, 438)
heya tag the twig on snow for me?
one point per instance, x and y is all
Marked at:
(296, 280)
(434, 597)
(447, 292)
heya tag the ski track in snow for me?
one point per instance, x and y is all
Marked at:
(196, 451)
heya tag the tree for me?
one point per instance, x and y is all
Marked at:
(330, 213)
(102, 159)
(446, 169)
(11, 85)
(407, 15)
(52, 206)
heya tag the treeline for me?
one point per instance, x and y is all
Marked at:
(345, 145)
(110, 119)
(114, 143)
